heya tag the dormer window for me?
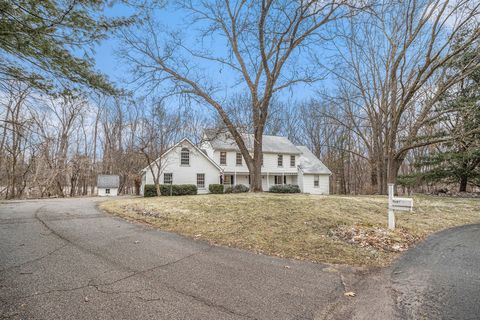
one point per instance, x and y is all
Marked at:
(185, 157)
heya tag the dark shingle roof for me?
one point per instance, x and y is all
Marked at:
(108, 181)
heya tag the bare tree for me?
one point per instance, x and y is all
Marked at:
(263, 41)
(394, 71)
(160, 129)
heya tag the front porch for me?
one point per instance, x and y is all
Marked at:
(268, 179)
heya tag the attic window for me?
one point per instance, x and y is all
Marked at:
(185, 157)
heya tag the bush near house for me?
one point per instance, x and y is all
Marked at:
(170, 189)
(239, 188)
(285, 188)
(215, 188)
(150, 190)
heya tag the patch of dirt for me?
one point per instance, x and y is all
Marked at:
(376, 238)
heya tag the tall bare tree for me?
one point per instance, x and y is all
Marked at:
(263, 41)
(393, 72)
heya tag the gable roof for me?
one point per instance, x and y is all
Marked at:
(108, 181)
(176, 145)
(309, 163)
(270, 144)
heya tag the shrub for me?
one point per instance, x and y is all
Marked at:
(150, 190)
(285, 188)
(215, 188)
(239, 188)
(178, 189)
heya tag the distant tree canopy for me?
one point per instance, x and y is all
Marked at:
(45, 43)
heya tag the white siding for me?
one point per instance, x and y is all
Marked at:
(307, 185)
(270, 163)
(186, 174)
(102, 192)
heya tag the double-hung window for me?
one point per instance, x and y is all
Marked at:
(316, 181)
(167, 178)
(223, 158)
(292, 161)
(280, 160)
(200, 180)
(239, 159)
(185, 157)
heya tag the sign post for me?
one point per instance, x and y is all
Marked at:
(394, 203)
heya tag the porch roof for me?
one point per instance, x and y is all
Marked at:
(263, 173)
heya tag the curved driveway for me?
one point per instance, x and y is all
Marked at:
(440, 278)
(63, 259)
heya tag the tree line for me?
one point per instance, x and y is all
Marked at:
(395, 91)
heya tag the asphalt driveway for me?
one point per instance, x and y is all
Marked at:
(63, 259)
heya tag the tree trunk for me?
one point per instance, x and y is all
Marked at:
(463, 184)
(256, 173)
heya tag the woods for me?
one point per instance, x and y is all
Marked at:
(381, 91)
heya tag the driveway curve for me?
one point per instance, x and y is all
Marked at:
(63, 259)
(440, 278)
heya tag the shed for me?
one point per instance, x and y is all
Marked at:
(107, 185)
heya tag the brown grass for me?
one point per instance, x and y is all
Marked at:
(297, 226)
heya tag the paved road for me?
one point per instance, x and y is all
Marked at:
(63, 259)
(440, 278)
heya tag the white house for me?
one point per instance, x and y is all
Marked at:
(218, 160)
(107, 185)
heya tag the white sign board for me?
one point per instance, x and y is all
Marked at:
(403, 204)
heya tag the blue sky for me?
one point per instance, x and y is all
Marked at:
(110, 64)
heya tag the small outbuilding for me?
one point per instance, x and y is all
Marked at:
(107, 185)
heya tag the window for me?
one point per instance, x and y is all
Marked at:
(107, 191)
(223, 158)
(185, 157)
(201, 180)
(280, 179)
(280, 160)
(292, 161)
(168, 178)
(261, 159)
(316, 181)
(239, 159)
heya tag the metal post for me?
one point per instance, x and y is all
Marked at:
(391, 213)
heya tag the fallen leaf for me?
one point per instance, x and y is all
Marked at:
(86, 299)
(136, 241)
(286, 267)
(350, 294)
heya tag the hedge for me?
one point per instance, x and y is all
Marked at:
(170, 189)
(215, 188)
(239, 188)
(285, 188)
(150, 190)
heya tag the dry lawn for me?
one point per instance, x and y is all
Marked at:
(332, 229)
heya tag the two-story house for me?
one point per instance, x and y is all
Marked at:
(218, 160)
